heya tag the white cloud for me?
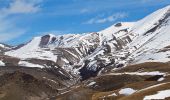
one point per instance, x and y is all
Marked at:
(8, 27)
(91, 21)
(8, 30)
(22, 7)
(110, 18)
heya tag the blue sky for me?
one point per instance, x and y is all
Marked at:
(20, 20)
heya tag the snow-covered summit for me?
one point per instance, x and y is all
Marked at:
(152, 35)
(150, 21)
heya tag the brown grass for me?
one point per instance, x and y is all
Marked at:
(113, 82)
(108, 84)
(148, 66)
(134, 85)
(77, 94)
(137, 85)
(105, 96)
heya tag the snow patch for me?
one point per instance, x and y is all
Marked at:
(27, 64)
(92, 83)
(161, 79)
(113, 94)
(140, 73)
(160, 95)
(127, 91)
(2, 63)
(2, 46)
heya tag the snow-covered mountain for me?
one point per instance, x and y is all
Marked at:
(121, 44)
(65, 49)
(153, 37)
(128, 54)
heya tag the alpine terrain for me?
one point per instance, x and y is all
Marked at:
(127, 61)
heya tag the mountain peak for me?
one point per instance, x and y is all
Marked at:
(47, 39)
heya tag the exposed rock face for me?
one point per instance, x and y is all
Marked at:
(118, 24)
(4, 48)
(45, 40)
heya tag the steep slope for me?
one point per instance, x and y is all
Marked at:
(153, 37)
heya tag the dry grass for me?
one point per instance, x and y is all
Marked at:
(105, 96)
(105, 85)
(148, 66)
(109, 84)
(134, 85)
(135, 96)
(113, 82)
(137, 85)
(77, 94)
(21, 86)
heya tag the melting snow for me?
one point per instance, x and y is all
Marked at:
(161, 79)
(1, 45)
(27, 64)
(92, 83)
(2, 63)
(61, 72)
(113, 94)
(50, 80)
(140, 73)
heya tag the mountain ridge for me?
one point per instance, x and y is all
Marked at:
(74, 49)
